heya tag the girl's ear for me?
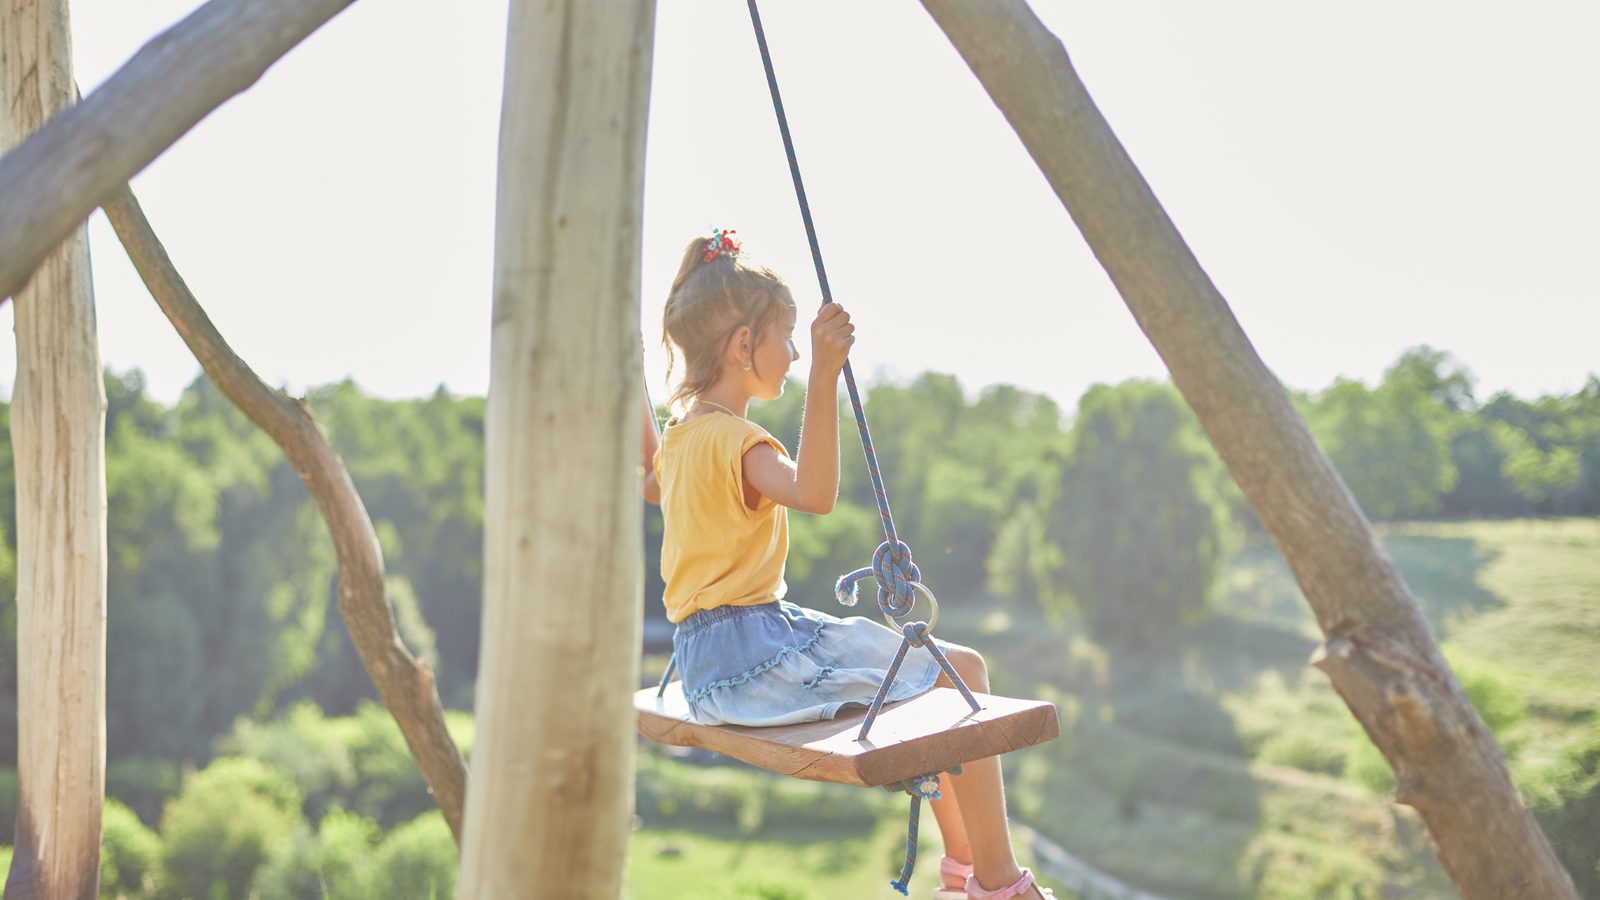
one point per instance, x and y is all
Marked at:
(741, 345)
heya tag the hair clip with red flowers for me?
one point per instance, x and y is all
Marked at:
(721, 244)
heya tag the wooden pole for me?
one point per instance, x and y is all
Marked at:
(1379, 652)
(58, 437)
(550, 800)
(405, 684)
(51, 182)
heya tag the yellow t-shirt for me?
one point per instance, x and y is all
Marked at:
(716, 550)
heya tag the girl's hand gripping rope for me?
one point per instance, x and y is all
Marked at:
(832, 334)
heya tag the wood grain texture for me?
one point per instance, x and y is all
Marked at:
(928, 733)
(405, 684)
(52, 181)
(58, 441)
(1379, 652)
(550, 802)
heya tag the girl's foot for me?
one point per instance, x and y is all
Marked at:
(1024, 888)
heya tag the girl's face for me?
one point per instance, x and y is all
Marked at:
(770, 361)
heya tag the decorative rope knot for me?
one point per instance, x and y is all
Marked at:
(895, 573)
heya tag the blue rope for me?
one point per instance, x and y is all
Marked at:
(920, 788)
(892, 566)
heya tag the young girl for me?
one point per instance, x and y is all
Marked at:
(746, 656)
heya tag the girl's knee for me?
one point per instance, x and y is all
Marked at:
(969, 664)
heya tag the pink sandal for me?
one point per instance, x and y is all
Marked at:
(976, 892)
(953, 877)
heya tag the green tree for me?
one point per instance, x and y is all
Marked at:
(1134, 532)
(1392, 444)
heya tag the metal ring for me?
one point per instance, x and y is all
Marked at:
(932, 601)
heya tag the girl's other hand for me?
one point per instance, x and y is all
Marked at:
(831, 337)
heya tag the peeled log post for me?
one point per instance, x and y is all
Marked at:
(550, 802)
(58, 437)
(1379, 652)
(405, 684)
(51, 182)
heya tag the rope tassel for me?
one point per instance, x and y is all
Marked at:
(920, 788)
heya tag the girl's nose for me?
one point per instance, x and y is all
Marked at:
(794, 352)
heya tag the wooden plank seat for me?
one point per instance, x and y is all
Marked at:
(928, 733)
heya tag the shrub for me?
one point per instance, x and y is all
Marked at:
(226, 821)
(358, 763)
(418, 859)
(336, 861)
(130, 854)
(749, 799)
(144, 783)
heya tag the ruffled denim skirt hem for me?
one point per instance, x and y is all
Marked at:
(781, 664)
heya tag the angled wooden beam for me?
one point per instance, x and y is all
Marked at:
(550, 802)
(1379, 652)
(405, 684)
(52, 181)
(58, 436)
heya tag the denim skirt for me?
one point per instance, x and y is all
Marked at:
(781, 664)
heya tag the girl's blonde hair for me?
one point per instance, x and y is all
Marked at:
(709, 301)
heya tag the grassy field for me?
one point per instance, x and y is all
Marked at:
(731, 832)
(1226, 768)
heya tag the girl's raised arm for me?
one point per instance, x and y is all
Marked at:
(810, 484)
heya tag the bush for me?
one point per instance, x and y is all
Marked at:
(223, 825)
(418, 859)
(748, 799)
(358, 763)
(336, 861)
(130, 854)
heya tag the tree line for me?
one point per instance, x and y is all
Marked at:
(222, 578)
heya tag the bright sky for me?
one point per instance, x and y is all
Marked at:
(1357, 178)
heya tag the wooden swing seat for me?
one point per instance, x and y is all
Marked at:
(928, 733)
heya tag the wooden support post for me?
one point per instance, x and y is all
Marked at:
(58, 436)
(550, 800)
(51, 182)
(1379, 652)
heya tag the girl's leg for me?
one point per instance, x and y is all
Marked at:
(980, 795)
(951, 829)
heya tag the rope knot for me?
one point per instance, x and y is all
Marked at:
(894, 571)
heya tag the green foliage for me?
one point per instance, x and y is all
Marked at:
(349, 858)
(953, 468)
(228, 820)
(1565, 797)
(334, 861)
(749, 799)
(360, 762)
(221, 572)
(130, 855)
(1392, 444)
(417, 859)
(8, 804)
(143, 783)
(1138, 521)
